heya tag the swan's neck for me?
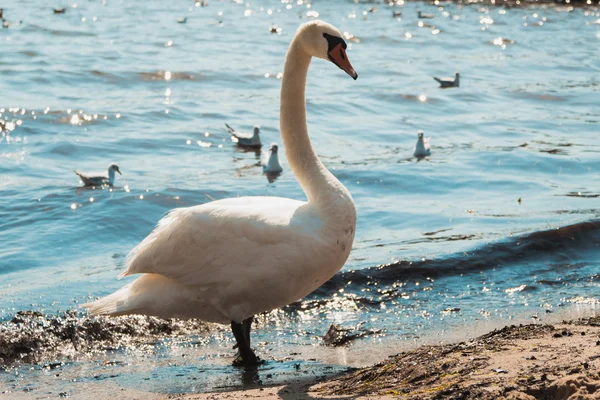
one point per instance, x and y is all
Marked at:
(320, 186)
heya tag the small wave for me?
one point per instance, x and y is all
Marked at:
(57, 32)
(169, 76)
(568, 240)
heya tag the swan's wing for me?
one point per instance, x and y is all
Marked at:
(194, 245)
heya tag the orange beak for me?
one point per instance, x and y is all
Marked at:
(338, 56)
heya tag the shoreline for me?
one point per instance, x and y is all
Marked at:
(523, 361)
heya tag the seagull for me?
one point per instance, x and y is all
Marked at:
(99, 180)
(182, 20)
(59, 10)
(425, 16)
(244, 139)
(397, 14)
(449, 82)
(1, 13)
(422, 149)
(272, 165)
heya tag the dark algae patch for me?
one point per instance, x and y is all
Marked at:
(32, 337)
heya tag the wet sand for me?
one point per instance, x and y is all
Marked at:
(526, 361)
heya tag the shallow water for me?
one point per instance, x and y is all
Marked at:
(514, 152)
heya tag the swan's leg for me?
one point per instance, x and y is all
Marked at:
(248, 357)
(247, 327)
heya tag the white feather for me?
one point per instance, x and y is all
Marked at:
(230, 259)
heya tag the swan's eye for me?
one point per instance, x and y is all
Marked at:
(333, 41)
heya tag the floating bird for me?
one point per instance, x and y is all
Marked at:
(228, 260)
(449, 82)
(274, 29)
(272, 165)
(422, 149)
(1, 13)
(397, 14)
(425, 16)
(60, 10)
(99, 180)
(245, 139)
(182, 20)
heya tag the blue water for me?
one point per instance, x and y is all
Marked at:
(515, 151)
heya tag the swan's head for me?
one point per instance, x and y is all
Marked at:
(323, 40)
(114, 168)
(274, 148)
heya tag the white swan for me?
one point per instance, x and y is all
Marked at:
(228, 260)
(245, 139)
(423, 148)
(272, 166)
(99, 180)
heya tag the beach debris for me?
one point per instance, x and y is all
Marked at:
(500, 371)
(338, 336)
(519, 200)
(563, 333)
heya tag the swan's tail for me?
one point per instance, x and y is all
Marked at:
(150, 294)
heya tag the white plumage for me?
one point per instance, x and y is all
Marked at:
(99, 179)
(422, 148)
(227, 260)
